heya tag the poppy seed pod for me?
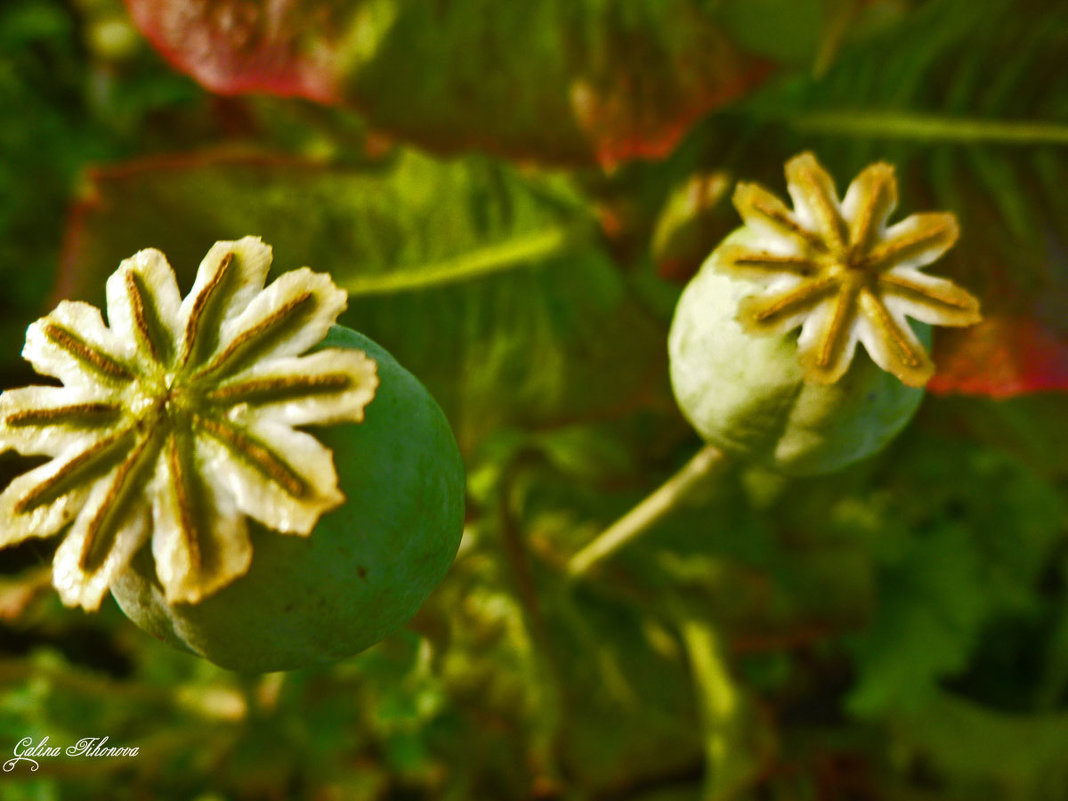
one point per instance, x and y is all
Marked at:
(183, 478)
(801, 403)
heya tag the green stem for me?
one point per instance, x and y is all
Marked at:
(503, 256)
(929, 127)
(651, 510)
(548, 723)
(717, 707)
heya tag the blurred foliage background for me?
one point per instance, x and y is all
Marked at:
(514, 195)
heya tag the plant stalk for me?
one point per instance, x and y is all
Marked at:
(930, 127)
(518, 252)
(718, 708)
(650, 511)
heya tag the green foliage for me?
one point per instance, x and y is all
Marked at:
(961, 536)
(897, 631)
(61, 108)
(39, 80)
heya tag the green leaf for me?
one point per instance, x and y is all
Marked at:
(964, 533)
(783, 30)
(929, 612)
(986, 754)
(609, 673)
(491, 287)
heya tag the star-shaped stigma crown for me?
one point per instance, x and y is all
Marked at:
(835, 269)
(179, 420)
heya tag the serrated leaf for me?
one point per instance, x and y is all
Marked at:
(929, 611)
(491, 288)
(973, 529)
(544, 79)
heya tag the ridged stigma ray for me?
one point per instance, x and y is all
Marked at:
(180, 420)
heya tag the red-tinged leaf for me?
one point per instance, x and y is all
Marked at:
(546, 80)
(637, 115)
(246, 46)
(1000, 357)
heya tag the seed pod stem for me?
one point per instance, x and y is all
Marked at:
(655, 507)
